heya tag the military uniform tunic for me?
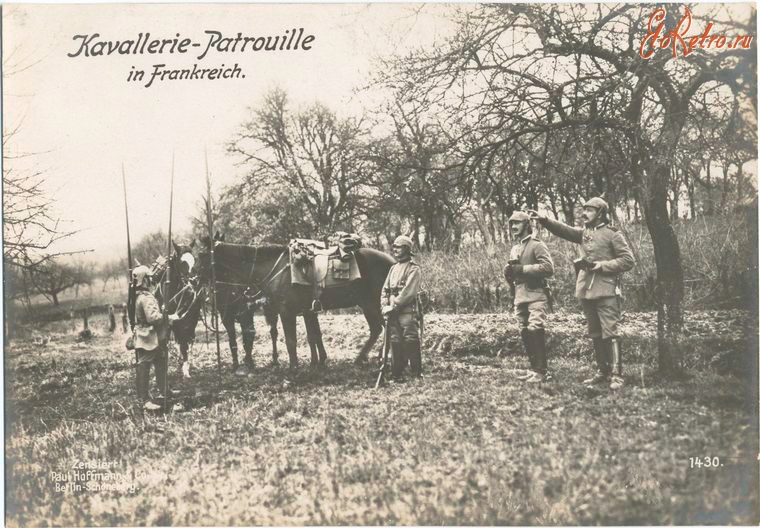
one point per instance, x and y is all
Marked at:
(531, 301)
(599, 290)
(147, 317)
(400, 291)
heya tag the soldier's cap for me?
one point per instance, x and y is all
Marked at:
(403, 241)
(597, 203)
(519, 216)
(139, 274)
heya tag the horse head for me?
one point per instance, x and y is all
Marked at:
(183, 260)
(204, 257)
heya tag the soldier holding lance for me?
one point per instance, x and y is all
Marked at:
(529, 265)
(605, 255)
(399, 305)
(151, 336)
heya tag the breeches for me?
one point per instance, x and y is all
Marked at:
(156, 355)
(404, 327)
(602, 316)
(532, 315)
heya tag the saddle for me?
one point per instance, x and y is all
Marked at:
(315, 264)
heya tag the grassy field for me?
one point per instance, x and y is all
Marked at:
(467, 445)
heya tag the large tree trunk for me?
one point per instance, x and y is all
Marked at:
(669, 285)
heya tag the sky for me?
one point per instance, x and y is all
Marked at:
(79, 119)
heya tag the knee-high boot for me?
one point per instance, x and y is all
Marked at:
(161, 365)
(399, 359)
(528, 345)
(415, 357)
(616, 356)
(539, 350)
(602, 353)
(143, 381)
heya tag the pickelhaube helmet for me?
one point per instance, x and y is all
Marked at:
(596, 203)
(403, 240)
(519, 216)
(140, 273)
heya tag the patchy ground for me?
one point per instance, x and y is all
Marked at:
(468, 445)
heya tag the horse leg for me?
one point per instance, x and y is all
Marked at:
(184, 367)
(316, 336)
(308, 320)
(374, 317)
(249, 334)
(229, 325)
(271, 316)
(289, 327)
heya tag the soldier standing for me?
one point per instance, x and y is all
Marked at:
(399, 305)
(150, 339)
(605, 255)
(529, 265)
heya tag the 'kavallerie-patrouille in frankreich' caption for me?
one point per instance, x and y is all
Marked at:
(94, 45)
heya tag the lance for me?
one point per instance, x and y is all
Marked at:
(130, 288)
(167, 283)
(213, 271)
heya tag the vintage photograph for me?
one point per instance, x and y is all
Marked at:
(380, 264)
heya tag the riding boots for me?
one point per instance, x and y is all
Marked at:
(415, 357)
(538, 339)
(399, 359)
(616, 361)
(602, 355)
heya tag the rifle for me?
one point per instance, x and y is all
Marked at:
(386, 353)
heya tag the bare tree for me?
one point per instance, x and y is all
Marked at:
(313, 154)
(516, 76)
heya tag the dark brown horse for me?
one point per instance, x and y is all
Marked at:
(262, 274)
(185, 298)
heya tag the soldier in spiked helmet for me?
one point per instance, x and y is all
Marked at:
(604, 257)
(529, 265)
(151, 335)
(400, 306)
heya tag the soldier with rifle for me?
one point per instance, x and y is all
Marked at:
(401, 308)
(529, 265)
(604, 257)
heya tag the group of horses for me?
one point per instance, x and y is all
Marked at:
(249, 277)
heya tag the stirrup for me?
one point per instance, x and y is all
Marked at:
(316, 306)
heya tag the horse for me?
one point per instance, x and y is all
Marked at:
(184, 297)
(263, 272)
(234, 304)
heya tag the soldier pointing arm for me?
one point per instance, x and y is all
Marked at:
(605, 255)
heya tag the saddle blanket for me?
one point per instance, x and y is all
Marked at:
(312, 263)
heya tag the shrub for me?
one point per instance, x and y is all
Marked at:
(716, 255)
